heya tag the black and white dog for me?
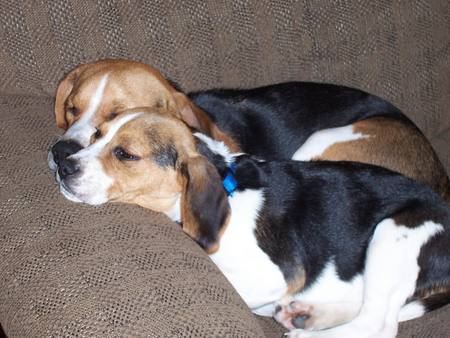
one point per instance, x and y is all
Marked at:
(331, 249)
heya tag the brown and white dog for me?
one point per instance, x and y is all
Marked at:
(299, 120)
(331, 249)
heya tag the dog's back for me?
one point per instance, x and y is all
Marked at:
(277, 121)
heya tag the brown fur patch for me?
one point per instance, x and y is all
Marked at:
(204, 204)
(297, 283)
(196, 118)
(394, 145)
(426, 293)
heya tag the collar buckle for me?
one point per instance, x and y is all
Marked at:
(229, 182)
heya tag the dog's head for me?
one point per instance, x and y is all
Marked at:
(95, 93)
(149, 157)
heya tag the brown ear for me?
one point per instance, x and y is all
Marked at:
(196, 118)
(191, 114)
(204, 204)
(62, 92)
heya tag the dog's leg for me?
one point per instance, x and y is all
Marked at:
(328, 302)
(389, 279)
(315, 316)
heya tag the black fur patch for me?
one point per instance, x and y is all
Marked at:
(166, 156)
(417, 212)
(215, 159)
(273, 121)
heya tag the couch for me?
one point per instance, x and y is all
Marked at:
(121, 271)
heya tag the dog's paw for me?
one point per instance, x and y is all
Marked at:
(294, 315)
(299, 333)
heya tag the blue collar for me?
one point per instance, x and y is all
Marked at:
(229, 182)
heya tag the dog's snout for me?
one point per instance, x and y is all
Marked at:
(68, 167)
(63, 149)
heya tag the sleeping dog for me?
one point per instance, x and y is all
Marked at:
(297, 120)
(331, 249)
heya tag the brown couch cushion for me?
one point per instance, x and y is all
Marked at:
(119, 270)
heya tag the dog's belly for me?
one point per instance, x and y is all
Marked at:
(320, 141)
(249, 269)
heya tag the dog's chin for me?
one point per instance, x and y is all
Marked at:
(51, 162)
(68, 194)
(79, 197)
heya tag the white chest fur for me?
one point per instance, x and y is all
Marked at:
(249, 269)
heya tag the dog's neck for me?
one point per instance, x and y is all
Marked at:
(216, 152)
(246, 167)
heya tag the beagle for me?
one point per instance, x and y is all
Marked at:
(297, 120)
(330, 249)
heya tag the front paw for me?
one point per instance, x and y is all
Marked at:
(294, 315)
(299, 333)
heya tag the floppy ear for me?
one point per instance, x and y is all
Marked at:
(191, 114)
(204, 203)
(196, 118)
(62, 92)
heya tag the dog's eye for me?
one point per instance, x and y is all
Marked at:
(98, 133)
(73, 111)
(112, 115)
(122, 155)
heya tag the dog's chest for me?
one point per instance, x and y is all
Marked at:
(249, 269)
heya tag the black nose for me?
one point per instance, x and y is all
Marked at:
(68, 167)
(63, 149)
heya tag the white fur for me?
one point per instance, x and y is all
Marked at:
(82, 130)
(390, 276)
(66, 192)
(175, 213)
(410, 311)
(51, 162)
(217, 147)
(249, 269)
(93, 183)
(329, 288)
(321, 140)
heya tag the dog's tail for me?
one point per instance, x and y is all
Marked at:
(417, 307)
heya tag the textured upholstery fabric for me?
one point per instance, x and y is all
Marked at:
(116, 270)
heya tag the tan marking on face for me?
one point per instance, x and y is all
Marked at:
(145, 182)
(394, 145)
(130, 85)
